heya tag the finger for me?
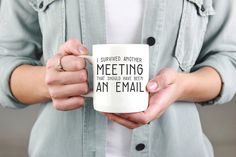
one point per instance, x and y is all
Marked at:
(165, 78)
(73, 47)
(152, 86)
(156, 106)
(68, 62)
(139, 118)
(155, 109)
(143, 117)
(122, 121)
(73, 63)
(68, 103)
(158, 103)
(66, 78)
(65, 91)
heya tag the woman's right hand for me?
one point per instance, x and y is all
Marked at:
(67, 87)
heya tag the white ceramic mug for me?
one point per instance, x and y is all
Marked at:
(120, 76)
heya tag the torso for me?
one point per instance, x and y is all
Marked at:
(123, 26)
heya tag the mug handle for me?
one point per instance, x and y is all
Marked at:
(90, 60)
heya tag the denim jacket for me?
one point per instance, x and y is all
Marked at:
(189, 34)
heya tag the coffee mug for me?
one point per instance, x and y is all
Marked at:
(120, 76)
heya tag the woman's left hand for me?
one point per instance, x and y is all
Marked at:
(164, 90)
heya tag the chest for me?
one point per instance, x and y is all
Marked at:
(178, 26)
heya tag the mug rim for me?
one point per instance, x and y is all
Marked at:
(120, 44)
(132, 48)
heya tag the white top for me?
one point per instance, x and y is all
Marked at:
(124, 26)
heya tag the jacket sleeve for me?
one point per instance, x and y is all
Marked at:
(20, 43)
(219, 49)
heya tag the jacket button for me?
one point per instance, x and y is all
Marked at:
(203, 8)
(140, 147)
(41, 5)
(151, 41)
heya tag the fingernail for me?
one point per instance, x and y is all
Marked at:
(152, 85)
(83, 50)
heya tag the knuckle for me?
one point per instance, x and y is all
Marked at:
(163, 71)
(57, 105)
(80, 64)
(144, 121)
(133, 127)
(162, 78)
(52, 78)
(49, 80)
(130, 127)
(54, 94)
(168, 72)
(83, 62)
(78, 105)
(72, 42)
(81, 102)
(84, 88)
(62, 47)
(110, 118)
(83, 75)
(50, 63)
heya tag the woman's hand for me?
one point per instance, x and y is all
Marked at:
(164, 89)
(67, 87)
(169, 86)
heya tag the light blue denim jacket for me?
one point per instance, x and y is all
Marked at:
(189, 34)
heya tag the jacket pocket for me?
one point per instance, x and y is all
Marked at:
(51, 17)
(193, 25)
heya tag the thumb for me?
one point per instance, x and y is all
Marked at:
(161, 81)
(73, 47)
(152, 86)
(83, 50)
(156, 84)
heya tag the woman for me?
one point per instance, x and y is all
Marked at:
(192, 60)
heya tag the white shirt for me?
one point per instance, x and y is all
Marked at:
(124, 26)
